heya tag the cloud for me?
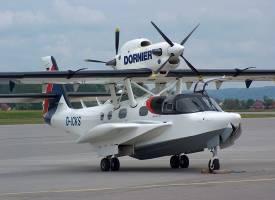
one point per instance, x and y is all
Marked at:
(10, 18)
(77, 14)
(232, 33)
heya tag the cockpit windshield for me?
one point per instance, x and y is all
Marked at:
(189, 103)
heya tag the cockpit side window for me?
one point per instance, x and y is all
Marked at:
(187, 105)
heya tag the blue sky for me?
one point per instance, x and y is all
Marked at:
(232, 33)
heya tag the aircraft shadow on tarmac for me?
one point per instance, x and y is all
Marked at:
(88, 169)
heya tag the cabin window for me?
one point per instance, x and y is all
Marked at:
(122, 113)
(101, 116)
(143, 111)
(110, 115)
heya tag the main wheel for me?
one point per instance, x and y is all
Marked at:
(174, 162)
(105, 164)
(214, 166)
(115, 165)
(184, 161)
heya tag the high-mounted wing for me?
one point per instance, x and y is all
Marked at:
(85, 76)
(40, 97)
(138, 75)
(229, 74)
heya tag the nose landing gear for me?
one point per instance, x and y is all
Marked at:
(214, 163)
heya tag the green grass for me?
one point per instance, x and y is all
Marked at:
(21, 117)
(257, 115)
(248, 110)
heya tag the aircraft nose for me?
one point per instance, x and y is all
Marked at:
(220, 120)
(235, 119)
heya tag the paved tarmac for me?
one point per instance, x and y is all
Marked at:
(39, 162)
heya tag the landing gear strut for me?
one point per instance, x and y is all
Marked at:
(177, 161)
(214, 163)
(108, 164)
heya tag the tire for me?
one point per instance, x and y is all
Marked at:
(174, 162)
(105, 164)
(115, 165)
(215, 165)
(184, 161)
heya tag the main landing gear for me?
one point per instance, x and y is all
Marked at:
(108, 164)
(177, 161)
(214, 163)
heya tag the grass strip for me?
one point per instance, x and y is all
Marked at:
(21, 117)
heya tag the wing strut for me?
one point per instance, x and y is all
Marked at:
(113, 95)
(132, 101)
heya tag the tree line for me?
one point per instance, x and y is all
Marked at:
(226, 104)
(236, 104)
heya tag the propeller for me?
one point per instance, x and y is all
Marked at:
(190, 66)
(187, 37)
(96, 61)
(113, 61)
(117, 40)
(160, 68)
(176, 49)
(163, 35)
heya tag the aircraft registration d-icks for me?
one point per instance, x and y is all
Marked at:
(159, 123)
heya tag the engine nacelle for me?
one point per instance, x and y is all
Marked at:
(154, 104)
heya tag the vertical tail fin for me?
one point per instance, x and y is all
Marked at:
(50, 105)
(50, 64)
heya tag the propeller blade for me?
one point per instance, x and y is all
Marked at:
(96, 61)
(160, 68)
(163, 35)
(117, 40)
(187, 37)
(191, 66)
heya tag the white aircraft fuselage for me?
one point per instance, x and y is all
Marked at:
(148, 136)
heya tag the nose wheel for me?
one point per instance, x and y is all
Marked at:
(177, 161)
(214, 163)
(108, 164)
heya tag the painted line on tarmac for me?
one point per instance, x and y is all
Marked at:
(140, 187)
